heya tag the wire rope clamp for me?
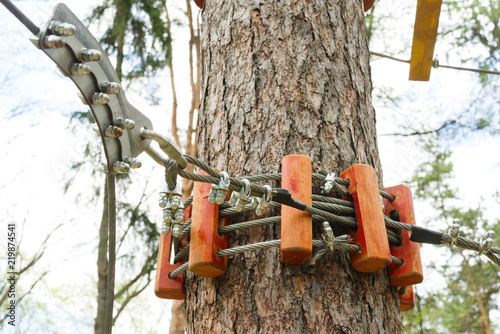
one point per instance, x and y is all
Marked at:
(327, 184)
(406, 298)
(454, 231)
(411, 271)
(296, 225)
(166, 287)
(240, 199)
(218, 193)
(486, 242)
(261, 204)
(371, 234)
(205, 239)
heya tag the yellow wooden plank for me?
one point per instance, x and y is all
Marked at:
(424, 39)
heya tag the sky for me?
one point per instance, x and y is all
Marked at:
(37, 147)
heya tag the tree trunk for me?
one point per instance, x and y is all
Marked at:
(278, 78)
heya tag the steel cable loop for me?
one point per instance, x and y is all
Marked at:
(397, 225)
(467, 244)
(397, 261)
(387, 196)
(341, 190)
(341, 246)
(334, 207)
(248, 224)
(332, 200)
(179, 270)
(182, 253)
(493, 258)
(349, 221)
(188, 202)
(231, 211)
(250, 247)
(186, 230)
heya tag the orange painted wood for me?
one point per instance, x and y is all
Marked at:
(199, 3)
(166, 287)
(411, 271)
(371, 234)
(205, 240)
(407, 300)
(296, 225)
(367, 4)
(424, 39)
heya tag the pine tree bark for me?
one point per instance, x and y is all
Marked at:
(278, 78)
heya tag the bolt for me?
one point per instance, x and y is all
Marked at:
(79, 69)
(113, 131)
(99, 98)
(62, 28)
(87, 55)
(53, 42)
(111, 88)
(121, 167)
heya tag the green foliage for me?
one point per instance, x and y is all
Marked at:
(479, 26)
(138, 35)
(469, 276)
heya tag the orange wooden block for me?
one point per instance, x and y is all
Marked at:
(407, 300)
(371, 234)
(205, 239)
(199, 3)
(165, 287)
(296, 225)
(367, 4)
(424, 39)
(411, 271)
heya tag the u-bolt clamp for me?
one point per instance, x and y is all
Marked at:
(454, 231)
(327, 235)
(240, 199)
(327, 185)
(264, 201)
(218, 192)
(486, 242)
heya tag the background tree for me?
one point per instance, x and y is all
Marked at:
(279, 79)
(472, 281)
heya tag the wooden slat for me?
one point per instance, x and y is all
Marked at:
(424, 39)
(371, 235)
(296, 225)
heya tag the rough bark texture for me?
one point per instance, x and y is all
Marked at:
(278, 78)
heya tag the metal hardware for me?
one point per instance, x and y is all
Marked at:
(133, 162)
(327, 235)
(111, 88)
(162, 202)
(327, 185)
(88, 55)
(166, 144)
(79, 69)
(99, 98)
(125, 123)
(113, 131)
(166, 221)
(82, 98)
(454, 231)
(264, 201)
(53, 42)
(486, 242)
(383, 205)
(240, 199)
(61, 28)
(218, 192)
(121, 167)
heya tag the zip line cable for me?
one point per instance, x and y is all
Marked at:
(21, 17)
(436, 64)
